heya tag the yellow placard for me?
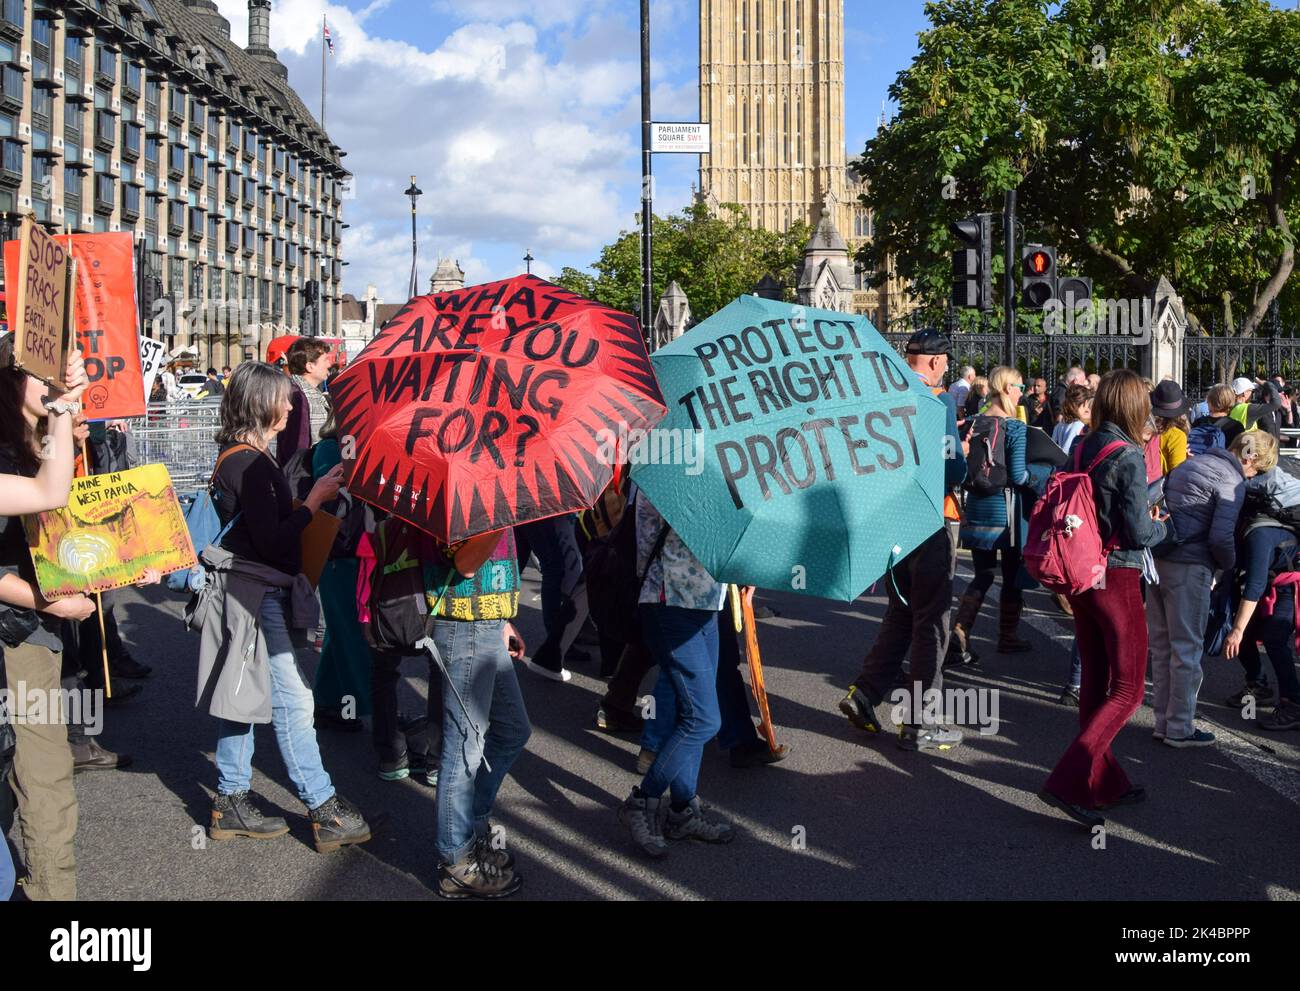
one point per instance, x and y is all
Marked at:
(116, 527)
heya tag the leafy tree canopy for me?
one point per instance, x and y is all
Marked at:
(713, 258)
(1144, 137)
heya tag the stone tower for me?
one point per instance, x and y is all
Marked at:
(447, 277)
(772, 86)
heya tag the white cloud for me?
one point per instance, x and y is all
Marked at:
(520, 139)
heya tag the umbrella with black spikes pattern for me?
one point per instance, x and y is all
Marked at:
(493, 405)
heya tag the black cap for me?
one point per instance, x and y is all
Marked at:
(928, 342)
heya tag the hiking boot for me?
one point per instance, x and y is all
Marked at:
(1261, 690)
(235, 815)
(1199, 738)
(126, 666)
(497, 857)
(87, 755)
(641, 816)
(335, 823)
(475, 877)
(692, 824)
(644, 761)
(612, 720)
(858, 709)
(1008, 621)
(928, 738)
(396, 770)
(1285, 715)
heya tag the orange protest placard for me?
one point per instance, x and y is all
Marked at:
(106, 321)
(39, 275)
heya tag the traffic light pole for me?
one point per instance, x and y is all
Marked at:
(1008, 284)
(647, 187)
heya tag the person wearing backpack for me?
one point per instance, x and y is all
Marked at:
(919, 588)
(1076, 411)
(473, 596)
(1109, 617)
(1204, 496)
(1266, 551)
(995, 467)
(1216, 428)
(257, 596)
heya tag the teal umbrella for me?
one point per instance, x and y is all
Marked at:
(799, 451)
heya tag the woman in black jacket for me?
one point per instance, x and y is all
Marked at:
(1109, 618)
(254, 501)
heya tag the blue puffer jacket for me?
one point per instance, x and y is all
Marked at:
(1119, 487)
(1205, 495)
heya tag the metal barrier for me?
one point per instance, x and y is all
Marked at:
(1290, 446)
(181, 436)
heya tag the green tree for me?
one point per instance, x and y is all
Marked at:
(1144, 139)
(714, 258)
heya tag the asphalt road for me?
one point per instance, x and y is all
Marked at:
(845, 817)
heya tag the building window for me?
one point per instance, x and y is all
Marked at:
(152, 150)
(71, 195)
(131, 78)
(106, 64)
(744, 133)
(758, 30)
(744, 31)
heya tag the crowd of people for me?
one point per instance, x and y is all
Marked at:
(1198, 517)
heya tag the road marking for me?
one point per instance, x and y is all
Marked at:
(1242, 751)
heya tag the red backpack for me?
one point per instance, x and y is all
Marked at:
(1063, 551)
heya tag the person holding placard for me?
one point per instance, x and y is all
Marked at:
(36, 445)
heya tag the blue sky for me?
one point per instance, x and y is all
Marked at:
(520, 119)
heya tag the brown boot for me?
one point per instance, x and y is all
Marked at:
(1008, 620)
(959, 651)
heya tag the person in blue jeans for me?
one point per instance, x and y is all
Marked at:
(678, 606)
(262, 528)
(474, 593)
(736, 734)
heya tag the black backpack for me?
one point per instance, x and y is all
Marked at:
(399, 610)
(986, 465)
(298, 472)
(613, 585)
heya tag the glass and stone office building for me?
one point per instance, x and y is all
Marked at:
(146, 116)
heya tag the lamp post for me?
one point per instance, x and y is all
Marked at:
(414, 192)
(528, 261)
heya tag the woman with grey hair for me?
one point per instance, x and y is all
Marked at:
(257, 565)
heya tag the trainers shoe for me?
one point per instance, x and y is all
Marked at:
(336, 822)
(431, 776)
(397, 770)
(641, 816)
(644, 761)
(1070, 697)
(475, 877)
(1285, 715)
(755, 753)
(859, 710)
(1085, 817)
(692, 824)
(1262, 691)
(612, 720)
(546, 663)
(1200, 738)
(235, 815)
(928, 738)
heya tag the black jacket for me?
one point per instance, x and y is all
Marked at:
(1119, 487)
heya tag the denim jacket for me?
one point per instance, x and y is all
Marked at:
(1119, 488)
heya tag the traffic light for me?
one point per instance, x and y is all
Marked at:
(972, 266)
(1038, 276)
(1074, 292)
(151, 290)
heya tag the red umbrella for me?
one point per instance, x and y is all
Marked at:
(492, 405)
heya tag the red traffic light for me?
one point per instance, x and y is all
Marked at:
(1038, 263)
